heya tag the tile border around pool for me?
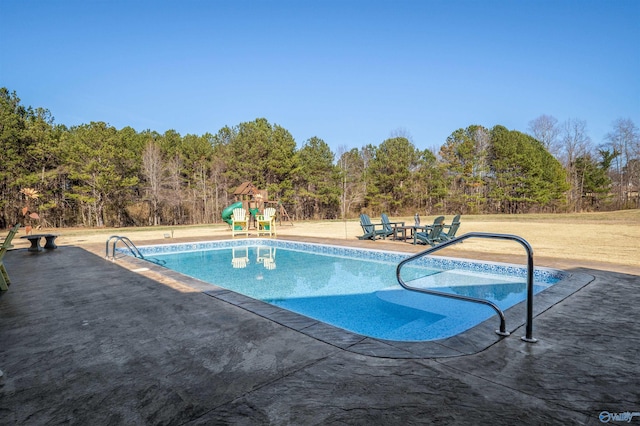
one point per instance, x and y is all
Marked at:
(469, 342)
(439, 262)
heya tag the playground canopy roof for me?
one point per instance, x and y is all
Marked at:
(248, 191)
(246, 188)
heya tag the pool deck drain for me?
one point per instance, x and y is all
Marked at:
(87, 341)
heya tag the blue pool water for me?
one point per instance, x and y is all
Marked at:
(355, 289)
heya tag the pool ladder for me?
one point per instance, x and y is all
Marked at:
(503, 330)
(127, 242)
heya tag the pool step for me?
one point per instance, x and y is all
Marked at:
(448, 317)
(441, 281)
(399, 296)
(460, 278)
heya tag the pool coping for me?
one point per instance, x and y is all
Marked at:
(474, 340)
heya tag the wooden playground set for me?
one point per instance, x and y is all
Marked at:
(254, 201)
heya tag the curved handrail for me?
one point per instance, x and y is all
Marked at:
(529, 327)
(127, 242)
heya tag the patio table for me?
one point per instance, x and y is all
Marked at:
(400, 232)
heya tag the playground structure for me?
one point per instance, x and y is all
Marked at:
(254, 201)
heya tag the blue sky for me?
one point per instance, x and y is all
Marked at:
(350, 72)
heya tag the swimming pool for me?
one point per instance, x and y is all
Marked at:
(355, 289)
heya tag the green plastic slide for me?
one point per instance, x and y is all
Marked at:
(228, 212)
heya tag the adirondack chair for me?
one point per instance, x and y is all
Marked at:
(431, 235)
(449, 231)
(239, 222)
(389, 226)
(267, 223)
(372, 231)
(6, 245)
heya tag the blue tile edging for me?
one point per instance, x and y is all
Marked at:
(541, 275)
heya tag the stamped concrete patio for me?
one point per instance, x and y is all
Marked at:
(88, 341)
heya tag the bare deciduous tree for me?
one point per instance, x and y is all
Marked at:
(175, 190)
(353, 187)
(154, 172)
(575, 143)
(625, 140)
(545, 129)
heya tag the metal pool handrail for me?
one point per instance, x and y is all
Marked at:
(503, 332)
(127, 242)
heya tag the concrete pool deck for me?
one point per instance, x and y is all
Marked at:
(88, 341)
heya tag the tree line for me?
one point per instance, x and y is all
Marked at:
(96, 175)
